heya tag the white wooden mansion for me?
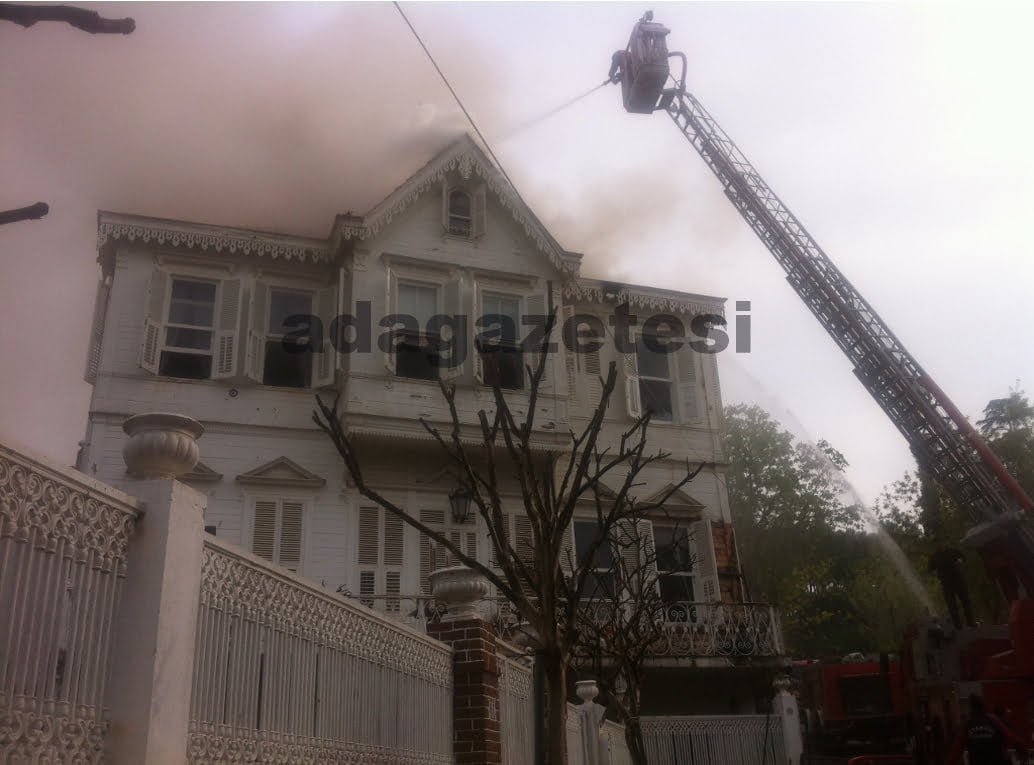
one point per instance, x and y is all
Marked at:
(190, 318)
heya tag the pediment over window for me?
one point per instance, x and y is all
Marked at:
(679, 498)
(201, 474)
(281, 472)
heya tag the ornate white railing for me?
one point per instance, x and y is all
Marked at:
(740, 739)
(613, 747)
(686, 629)
(516, 712)
(286, 672)
(63, 542)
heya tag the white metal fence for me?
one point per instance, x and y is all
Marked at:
(714, 740)
(575, 747)
(516, 712)
(286, 672)
(63, 543)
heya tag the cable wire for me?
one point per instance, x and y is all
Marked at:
(459, 102)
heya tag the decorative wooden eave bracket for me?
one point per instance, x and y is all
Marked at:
(281, 472)
(200, 236)
(667, 301)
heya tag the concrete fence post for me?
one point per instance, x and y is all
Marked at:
(784, 706)
(151, 675)
(475, 705)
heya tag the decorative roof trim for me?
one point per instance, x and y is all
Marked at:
(260, 476)
(201, 474)
(116, 227)
(679, 498)
(465, 157)
(643, 297)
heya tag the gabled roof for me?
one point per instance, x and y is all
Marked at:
(281, 472)
(465, 157)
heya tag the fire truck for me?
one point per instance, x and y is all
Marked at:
(940, 666)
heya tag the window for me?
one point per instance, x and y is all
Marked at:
(655, 383)
(461, 213)
(663, 384)
(416, 355)
(189, 329)
(281, 365)
(381, 538)
(463, 210)
(434, 557)
(501, 357)
(276, 532)
(601, 583)
(675, 556)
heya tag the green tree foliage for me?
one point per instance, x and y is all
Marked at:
(805, 547)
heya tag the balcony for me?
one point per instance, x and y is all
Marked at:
(689, 630)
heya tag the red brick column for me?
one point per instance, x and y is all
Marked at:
(475, 694)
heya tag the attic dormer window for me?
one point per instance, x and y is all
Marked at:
(461, 218)
(463, 210)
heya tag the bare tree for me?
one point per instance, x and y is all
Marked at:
(546, 588)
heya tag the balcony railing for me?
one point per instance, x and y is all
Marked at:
(731, 630)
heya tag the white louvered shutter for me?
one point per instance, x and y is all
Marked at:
(100, 310)
(369, 547)
(263, 530)
(289, 544)
(570, 357)
(593, 380)
(255, 356)
(226, 337)
(390, 301)
(392, 554)
(430, 557)
(154, 322)
(689, 408)
(453, 293)
(324, 361)
(633, 402)
(706, 567)
(477, 313)
(637, 550)
(536, 305)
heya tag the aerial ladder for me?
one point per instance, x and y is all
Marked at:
(942, 440)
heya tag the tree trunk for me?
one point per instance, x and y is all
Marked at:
(634, 740)
(556, 709)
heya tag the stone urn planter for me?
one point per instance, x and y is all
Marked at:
(587, 690)
(161, 444)
(460, 588)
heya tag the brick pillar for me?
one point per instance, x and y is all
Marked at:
(475, 674)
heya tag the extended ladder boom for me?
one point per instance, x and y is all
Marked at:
(942, 440)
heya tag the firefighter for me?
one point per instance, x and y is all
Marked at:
(946, 563)
(984, 738)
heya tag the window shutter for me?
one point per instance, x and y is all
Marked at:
(453, 294)
(226, 343)
(480, 211)
(154, 323)
(369, 535)
(633, 404)
(687, 386)
(100, 310)
(255, 358)
(567, 560)
(636, 548)
(570, 357)
(263, 534)
(435, 519)
(324, 362)
(394, 533)
(593, 380)
(536, 305)
(290, 544)
(477, 313)
(390, 293)
(706, 568)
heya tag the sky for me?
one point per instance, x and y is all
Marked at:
(898, 133)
